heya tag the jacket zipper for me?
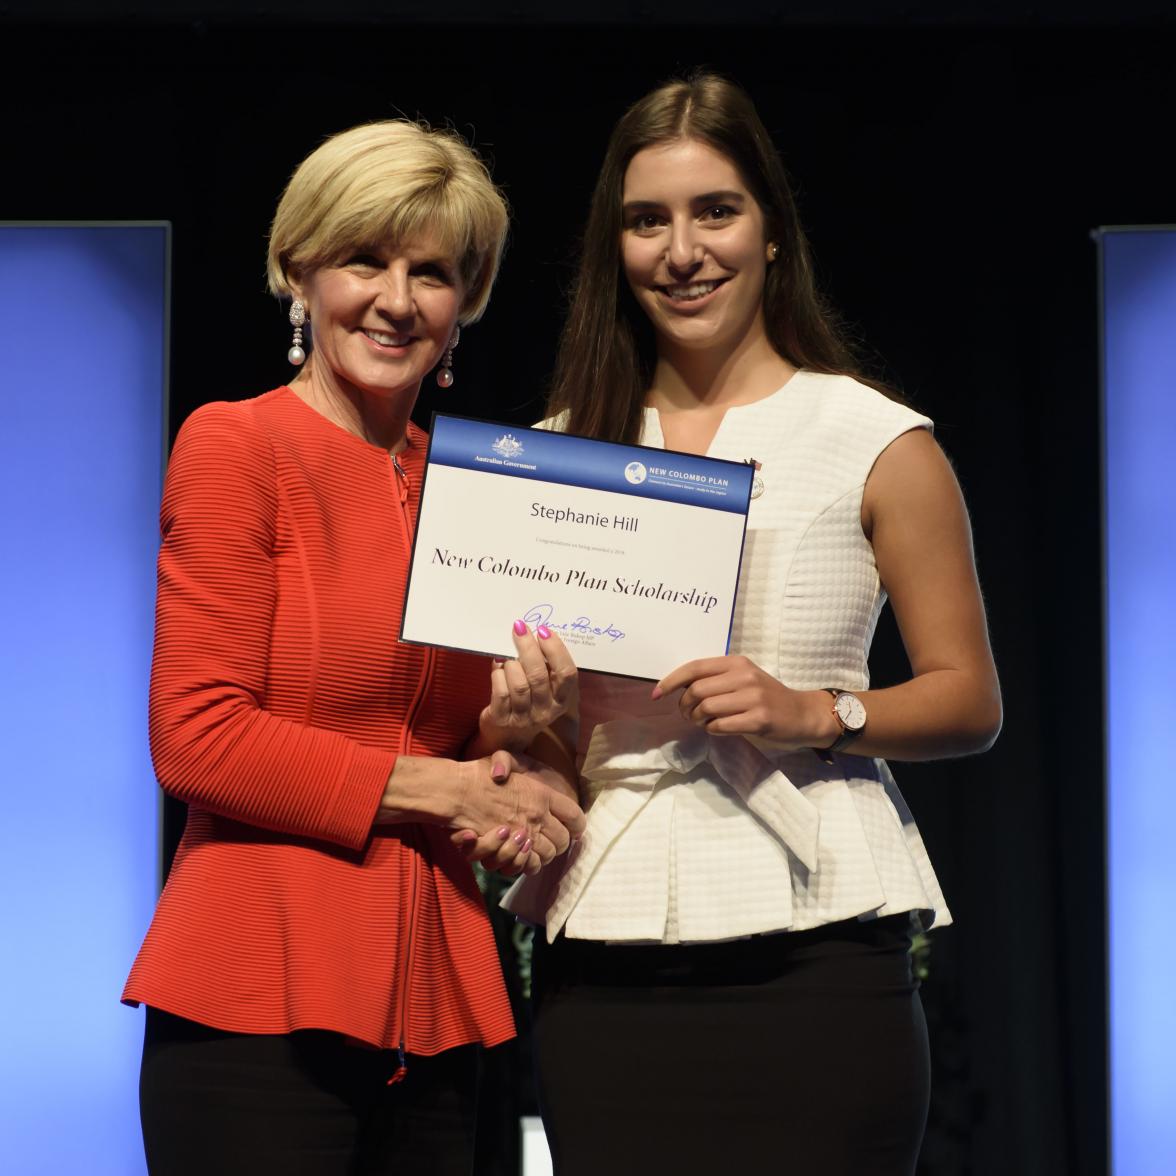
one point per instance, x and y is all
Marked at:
(401, 1071)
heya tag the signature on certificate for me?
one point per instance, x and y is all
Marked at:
(542, 614)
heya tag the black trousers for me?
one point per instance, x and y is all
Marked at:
(803, 1053)
(308, 1103)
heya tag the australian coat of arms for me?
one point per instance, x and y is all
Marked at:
(507, 446)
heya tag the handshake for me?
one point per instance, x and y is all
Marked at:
(505, 808)
(514, 814)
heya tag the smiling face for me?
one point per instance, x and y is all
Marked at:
(693, 246)
(382, 317)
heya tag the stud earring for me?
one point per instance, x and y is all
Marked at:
(445, 371)
(296, 355)
(773, 251)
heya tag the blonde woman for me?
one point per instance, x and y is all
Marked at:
(320, 969)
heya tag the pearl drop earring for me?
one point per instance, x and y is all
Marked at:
(445, 371)
(297, 317)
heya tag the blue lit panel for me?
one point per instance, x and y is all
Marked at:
(1139, 393)
(83, 323)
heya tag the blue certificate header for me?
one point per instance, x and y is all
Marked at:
(598, 465)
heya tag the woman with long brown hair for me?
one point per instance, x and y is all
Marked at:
(725, 975)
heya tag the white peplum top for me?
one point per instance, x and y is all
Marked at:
(693, 837)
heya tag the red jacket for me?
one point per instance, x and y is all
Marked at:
(280, 698)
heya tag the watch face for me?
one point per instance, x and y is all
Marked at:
(851, 711)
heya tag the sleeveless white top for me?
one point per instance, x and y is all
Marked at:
(696, 837)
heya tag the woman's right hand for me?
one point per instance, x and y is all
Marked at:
(529, 692)
(513, 814)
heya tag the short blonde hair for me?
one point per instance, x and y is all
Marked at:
(390, 182)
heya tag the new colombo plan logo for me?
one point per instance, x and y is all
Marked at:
(635, 472)
(507, 446)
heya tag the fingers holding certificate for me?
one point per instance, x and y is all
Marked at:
(530, 691)
(594, 542)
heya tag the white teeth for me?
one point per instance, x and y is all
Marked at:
(694, 290)
(388, 340)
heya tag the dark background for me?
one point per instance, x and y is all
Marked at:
(950, 166)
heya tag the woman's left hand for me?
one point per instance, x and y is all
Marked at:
(528, 692)
(731, 695)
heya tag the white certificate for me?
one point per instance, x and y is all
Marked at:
(630, 554)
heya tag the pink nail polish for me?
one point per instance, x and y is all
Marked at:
(519, 837)
(526, 846)
(655, 693)
(520, 629)
(543, 632)
(502, 833)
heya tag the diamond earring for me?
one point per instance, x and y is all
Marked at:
(445, 371)
(296, 355)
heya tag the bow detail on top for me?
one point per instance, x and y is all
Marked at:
(766, 791)
(620, 782)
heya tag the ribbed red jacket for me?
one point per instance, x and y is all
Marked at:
(280, 698)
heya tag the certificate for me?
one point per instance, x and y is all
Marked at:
(630, 554)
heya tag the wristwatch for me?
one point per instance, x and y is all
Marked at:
(850, 712)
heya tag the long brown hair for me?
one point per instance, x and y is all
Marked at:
(607, 351)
